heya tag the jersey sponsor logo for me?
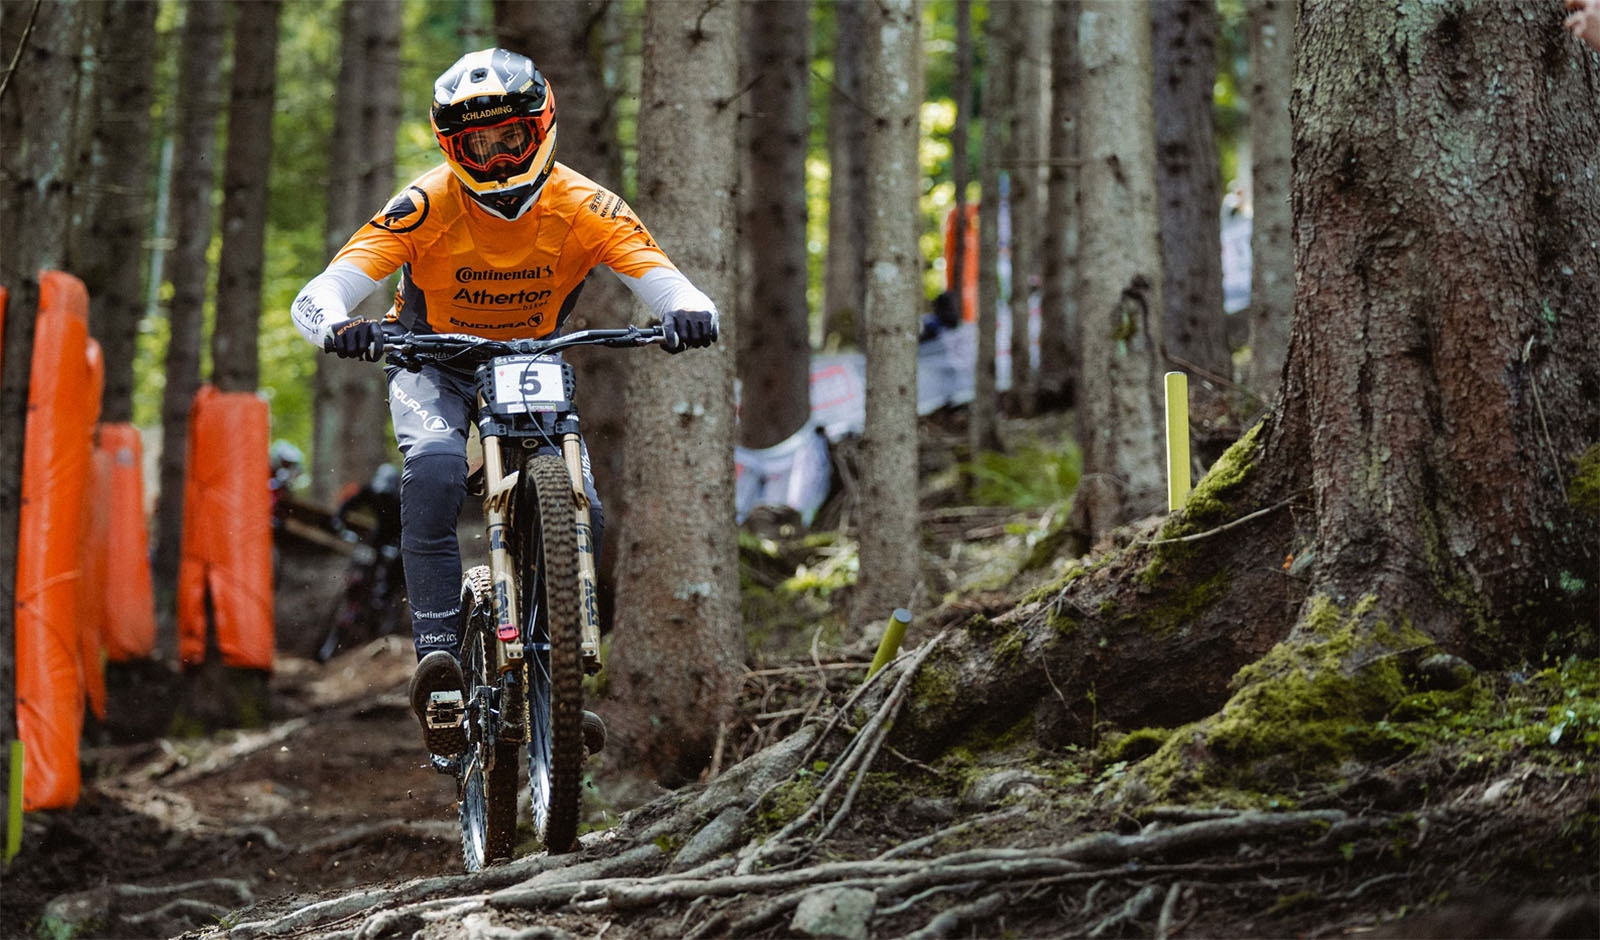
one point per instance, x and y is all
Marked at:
(483, 297)
(533, 321)
(465, 275)
(404, 212)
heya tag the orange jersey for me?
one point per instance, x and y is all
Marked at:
(463, 270)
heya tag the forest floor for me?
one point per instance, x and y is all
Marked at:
(325, 821)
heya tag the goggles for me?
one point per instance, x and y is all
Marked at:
(509, 144)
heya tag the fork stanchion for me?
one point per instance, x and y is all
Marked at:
(890, 644)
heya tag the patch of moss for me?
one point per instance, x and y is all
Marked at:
(1167, 618)
(785, 803)
(1584, 492)
(936, 685)
(1306, 705)
(1008, 649)
(1134, 746)
(1208, 502)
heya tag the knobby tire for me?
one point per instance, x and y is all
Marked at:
(488, 781)
(548, 533)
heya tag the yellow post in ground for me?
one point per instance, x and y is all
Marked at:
(890, 644)
(1177, 440)
(14, 804)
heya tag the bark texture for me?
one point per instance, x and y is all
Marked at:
(844, 287)
(1184, 43)
(1120, 299)
(194, 175)
(1271, 309)
(999, 87)
(1025, 148)
(1444, 353)
(678, 644)
(890, 569)
(1058, 311)
(774, 347)
(352, 397)
(235, 362)
(115, 246)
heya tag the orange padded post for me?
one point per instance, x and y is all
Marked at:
(92, 552)
(227, 532)
(130, 623)
(56, 457)
(969, 261)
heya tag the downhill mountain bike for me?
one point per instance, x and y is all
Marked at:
(532, 617)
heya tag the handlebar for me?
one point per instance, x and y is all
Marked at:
(406, 349)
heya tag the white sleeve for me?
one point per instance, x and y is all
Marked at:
(328, 298)
(664, 290)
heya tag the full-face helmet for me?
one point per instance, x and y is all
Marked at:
(495, 119)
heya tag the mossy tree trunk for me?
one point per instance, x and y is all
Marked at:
(1414, 491)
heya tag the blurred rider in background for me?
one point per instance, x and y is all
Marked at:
(495, 242)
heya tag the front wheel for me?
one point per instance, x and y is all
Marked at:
(548, 537)
(488, 775)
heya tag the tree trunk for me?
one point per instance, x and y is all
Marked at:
(1189, 186)
(891, 559)
(775, 350)
(678, 644)
(566, 39)
(37, 199)
(352, 397)
(1025, 147)
(194, 175)
(1120, 275)
(119, 216)
(982, 427)
(1271, 237)
(1413, 492)
(1058, 360)
(235, 363)
(844, 288)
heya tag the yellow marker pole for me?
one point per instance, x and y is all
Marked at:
(1177, 440)
(890, 644)
(14, 804)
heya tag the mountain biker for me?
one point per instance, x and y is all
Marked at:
(495, 242)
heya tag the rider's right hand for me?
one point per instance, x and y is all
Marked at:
(356, 338)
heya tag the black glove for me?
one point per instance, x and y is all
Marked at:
(686, 328)
(357, 338)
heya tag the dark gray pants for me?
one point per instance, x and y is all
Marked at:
(433, 411)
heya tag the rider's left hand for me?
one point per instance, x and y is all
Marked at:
(688, 328)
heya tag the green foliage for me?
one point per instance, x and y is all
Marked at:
(1032, 477)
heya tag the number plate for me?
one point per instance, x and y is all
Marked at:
(528, 383)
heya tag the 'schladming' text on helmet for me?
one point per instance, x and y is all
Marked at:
(495, 119)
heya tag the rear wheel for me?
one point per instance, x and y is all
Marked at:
(488, 780)
(549, 544)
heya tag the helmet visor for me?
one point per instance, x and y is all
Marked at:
(498, 149)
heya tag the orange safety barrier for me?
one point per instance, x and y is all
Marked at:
(130, 625)
(969, 261)
(56, 457)
(227, 532)
(92, 600)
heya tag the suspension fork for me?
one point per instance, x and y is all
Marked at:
(588, 577)
(499, 491)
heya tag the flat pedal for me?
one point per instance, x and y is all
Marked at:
(442, 728)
